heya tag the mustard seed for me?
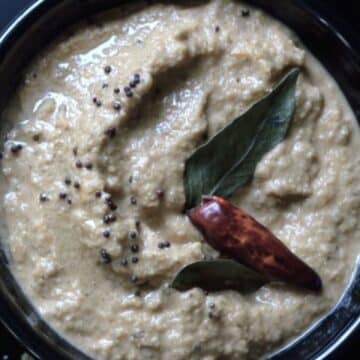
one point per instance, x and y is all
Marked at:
(105, 256)
(164, 244)
(110, 132)
(116, 105)
(133, 234)
(128, 91)
(124, 262)
(106, 233)
(43, 197)
(137, 77)
(36, 137)
(160, 193)
(16, 148)
(109, 218)
(88, 165)
(63, 195)
(134, 248)
(112, 206)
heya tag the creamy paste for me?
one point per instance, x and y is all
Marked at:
(94, 196)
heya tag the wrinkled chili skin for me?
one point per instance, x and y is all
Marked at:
(233, 232)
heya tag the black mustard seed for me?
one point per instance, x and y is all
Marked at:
(109, 218)
(43, 197)
(105, 256)
(16, 148)
(134, 248)
(110, 132)
(133, 234)
(106, 233)
(128, 91)
(36, 137)
(88, 165)
(116, 105)
(63, 195)
(124, 262)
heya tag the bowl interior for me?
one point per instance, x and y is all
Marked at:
(47, 18)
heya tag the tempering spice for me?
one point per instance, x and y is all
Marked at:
(16, 148)
(105, 256)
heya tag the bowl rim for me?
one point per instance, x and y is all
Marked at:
(14, 30)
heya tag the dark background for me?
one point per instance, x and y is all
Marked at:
(344, 14)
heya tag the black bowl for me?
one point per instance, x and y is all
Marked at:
(41, 22)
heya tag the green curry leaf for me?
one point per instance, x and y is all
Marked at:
(220, 274)
(228, 160)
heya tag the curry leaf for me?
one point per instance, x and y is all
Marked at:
(215, 275)
(228, 160)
